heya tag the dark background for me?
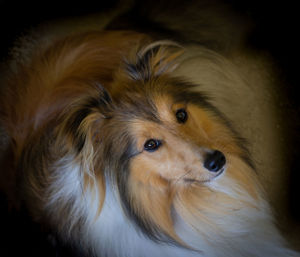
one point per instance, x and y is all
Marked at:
(276, 32)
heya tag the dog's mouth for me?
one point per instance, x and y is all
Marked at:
(191, 180)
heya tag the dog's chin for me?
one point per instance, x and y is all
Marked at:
(202, 181)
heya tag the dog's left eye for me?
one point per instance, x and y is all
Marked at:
(152, 145)
(181, 115)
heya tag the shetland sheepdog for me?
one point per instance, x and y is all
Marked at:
(120, 156)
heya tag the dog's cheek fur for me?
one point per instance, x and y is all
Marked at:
(152, 206)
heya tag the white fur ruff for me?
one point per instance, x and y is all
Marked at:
(112, 234)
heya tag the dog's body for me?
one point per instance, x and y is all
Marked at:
(109, 145)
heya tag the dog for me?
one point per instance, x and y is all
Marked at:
(118, 155)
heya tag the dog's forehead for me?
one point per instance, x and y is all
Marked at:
(157, 106)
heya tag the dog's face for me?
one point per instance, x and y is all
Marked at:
(181, 148)
(174, 138)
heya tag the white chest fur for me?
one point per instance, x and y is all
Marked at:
(112, 234)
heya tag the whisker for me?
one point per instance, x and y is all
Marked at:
(178, 179)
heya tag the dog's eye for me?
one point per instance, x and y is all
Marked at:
(181, 115)
(152, 145)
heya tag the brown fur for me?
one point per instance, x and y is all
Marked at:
(55, 78)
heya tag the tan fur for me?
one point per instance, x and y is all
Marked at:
(162, 174)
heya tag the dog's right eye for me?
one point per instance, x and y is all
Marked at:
(181, 115)
(152, 145)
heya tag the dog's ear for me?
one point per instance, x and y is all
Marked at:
(78, 136)
(153, 60)
(82, 118)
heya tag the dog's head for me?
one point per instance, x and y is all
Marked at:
(158, 139)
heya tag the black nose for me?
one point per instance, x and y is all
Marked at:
(215, 161)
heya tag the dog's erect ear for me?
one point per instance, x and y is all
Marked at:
(153, 60)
